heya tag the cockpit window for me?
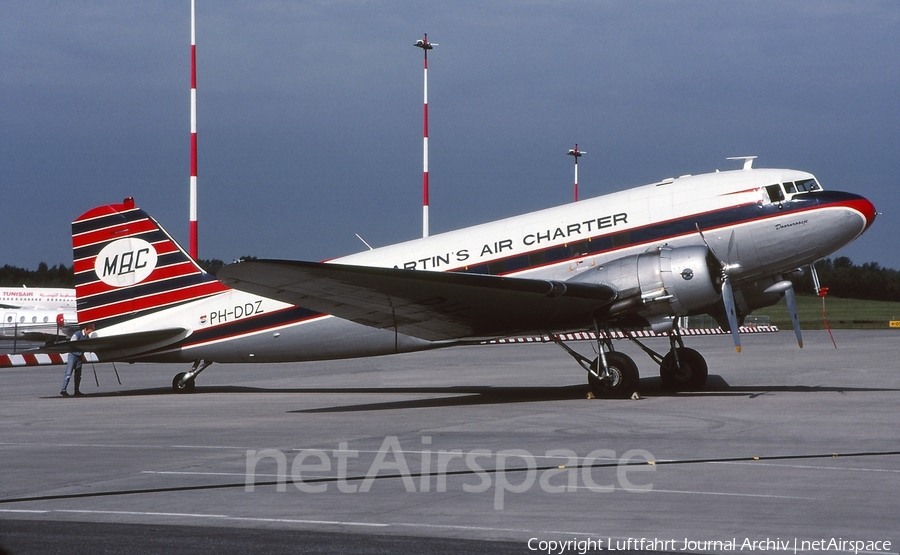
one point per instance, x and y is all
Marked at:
(789, 188)
(807, 185)
(775, 193)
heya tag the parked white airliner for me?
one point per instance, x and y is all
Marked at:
(47, 298)
(36, 313)
(722, 243)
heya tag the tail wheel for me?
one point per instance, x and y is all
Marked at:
(182, 387)
(623, 377)
(692, 374)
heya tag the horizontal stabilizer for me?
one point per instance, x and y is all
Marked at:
(40, 336)
(430, 305)
(119, 346)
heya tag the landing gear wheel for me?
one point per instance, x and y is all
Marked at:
(623, 380)
(692, 374)
(179, 387)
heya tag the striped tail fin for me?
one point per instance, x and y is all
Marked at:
(127, 265)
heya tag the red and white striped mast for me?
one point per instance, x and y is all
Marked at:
(193, 214)
(574, 152)
(425, 46)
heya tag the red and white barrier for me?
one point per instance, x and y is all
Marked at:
(591, 336)
(31, 359)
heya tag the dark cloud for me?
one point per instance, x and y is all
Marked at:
(310, 113)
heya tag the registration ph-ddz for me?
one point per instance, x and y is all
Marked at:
(239, 311)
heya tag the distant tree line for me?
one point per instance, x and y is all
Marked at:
(44, 276)
(847, 280)
(841, 276)
(63, 276)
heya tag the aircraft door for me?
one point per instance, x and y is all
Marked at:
(8, 326)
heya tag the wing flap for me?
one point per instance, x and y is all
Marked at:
(429, 305)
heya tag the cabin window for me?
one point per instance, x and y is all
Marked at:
(621, 239)
(516, 263)
(789, 188)
(775, 193)
(496, 268)
(580, 248)
(537, 258)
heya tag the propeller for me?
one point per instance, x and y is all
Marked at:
(728, 268)
(791, 301)
(786, 287)
(730, 312)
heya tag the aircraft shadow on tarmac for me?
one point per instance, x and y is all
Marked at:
(452, 396)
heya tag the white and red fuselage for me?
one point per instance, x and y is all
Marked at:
(132, 277)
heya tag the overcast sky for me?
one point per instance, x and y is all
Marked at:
(310, 113)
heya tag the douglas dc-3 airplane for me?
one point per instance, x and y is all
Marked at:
(722, 243)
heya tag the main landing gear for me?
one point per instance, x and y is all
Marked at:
(614, 375)
(183, 382)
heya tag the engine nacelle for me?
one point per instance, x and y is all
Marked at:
(660, 285)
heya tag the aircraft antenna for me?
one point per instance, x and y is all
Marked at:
(575, 153)
(193, 183)
(748, 161)
(425, 46)
(364, 241)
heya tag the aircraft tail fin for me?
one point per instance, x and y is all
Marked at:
(127, 265)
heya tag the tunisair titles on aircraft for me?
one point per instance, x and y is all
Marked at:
(530, 240)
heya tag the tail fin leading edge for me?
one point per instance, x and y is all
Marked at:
(127, 265)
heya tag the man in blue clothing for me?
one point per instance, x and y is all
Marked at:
(73, 363)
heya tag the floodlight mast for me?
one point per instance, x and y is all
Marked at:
(192, 245)
(425, 46)
(574, 152)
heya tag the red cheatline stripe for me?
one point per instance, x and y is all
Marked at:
(151, 301)
(243, 333)
(741, 192)
(117, 231)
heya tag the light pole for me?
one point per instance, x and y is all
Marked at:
(192, 247)
(575, 153)
(425, 46)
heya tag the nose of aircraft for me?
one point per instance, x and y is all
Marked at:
(867, 209)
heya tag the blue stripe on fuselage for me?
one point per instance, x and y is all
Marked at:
(657, 233)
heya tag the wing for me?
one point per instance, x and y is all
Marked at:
(429, 305)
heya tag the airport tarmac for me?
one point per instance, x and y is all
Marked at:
(784, 445)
